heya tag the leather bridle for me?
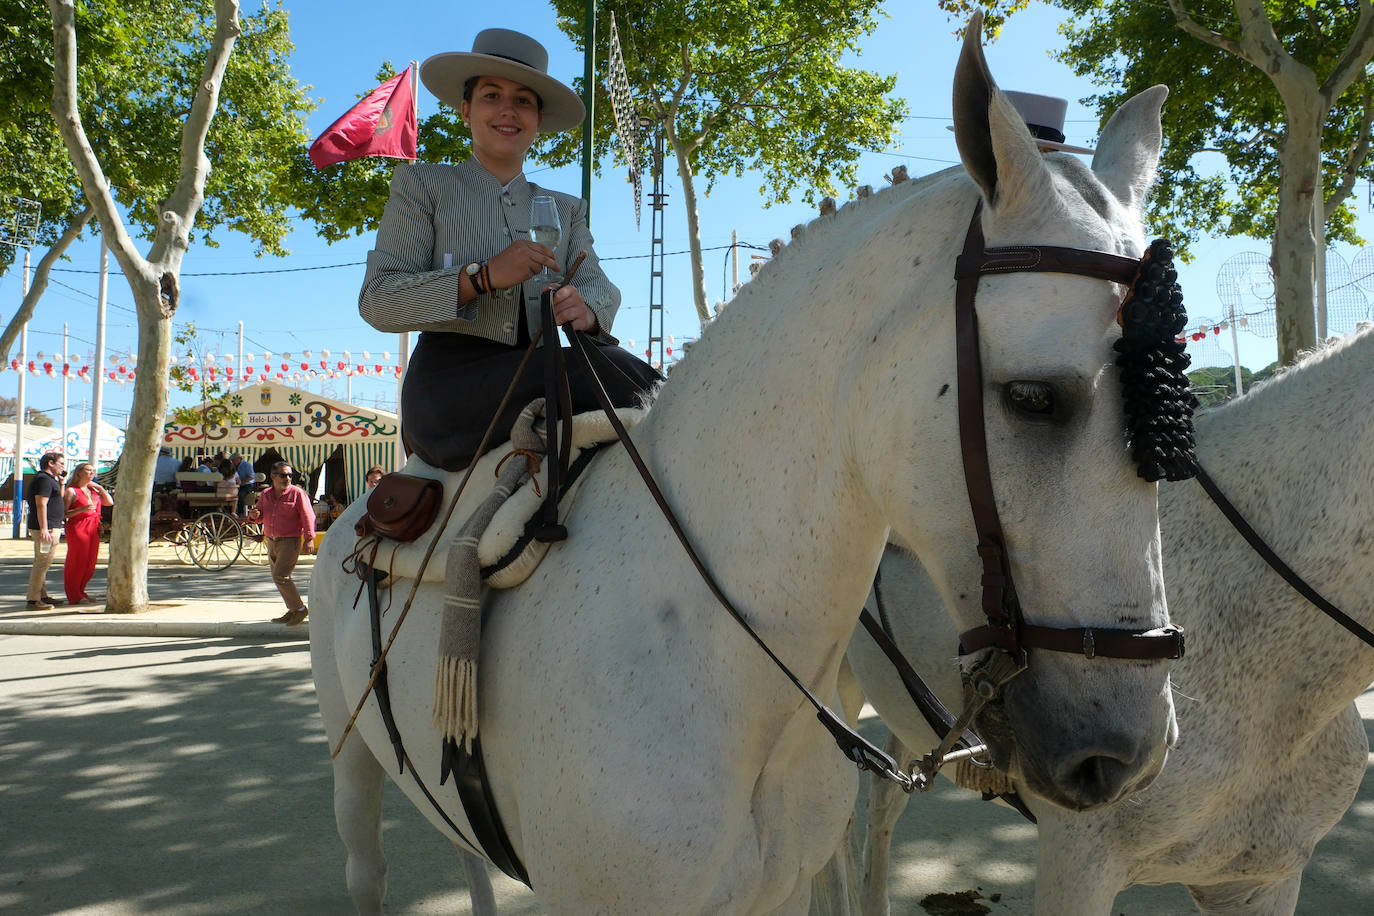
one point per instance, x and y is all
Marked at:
(1006, 628)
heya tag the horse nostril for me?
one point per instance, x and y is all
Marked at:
(1097, 779)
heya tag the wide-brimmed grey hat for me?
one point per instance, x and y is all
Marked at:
(514, 56)
(1044, 116)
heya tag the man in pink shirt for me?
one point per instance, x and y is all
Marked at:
(288, 525)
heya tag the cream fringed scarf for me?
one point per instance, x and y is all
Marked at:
(460, 633)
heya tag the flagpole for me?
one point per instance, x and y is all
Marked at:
(415, 100)
(589, 100)
(65, 363)
(99, 343)
(19, 410)
(403, 343)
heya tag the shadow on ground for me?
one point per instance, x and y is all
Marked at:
(195, 788)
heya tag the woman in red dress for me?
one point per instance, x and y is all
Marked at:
(84, 497)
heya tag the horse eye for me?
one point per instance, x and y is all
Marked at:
(1031, 398)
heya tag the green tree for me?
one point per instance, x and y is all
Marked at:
(134, 85)
(743, 84)
(1280, 88)
(9, 413)
(135, 120)
(212, 408)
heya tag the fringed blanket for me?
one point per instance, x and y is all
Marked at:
(498, 522)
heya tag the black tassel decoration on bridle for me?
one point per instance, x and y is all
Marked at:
(1159, 401)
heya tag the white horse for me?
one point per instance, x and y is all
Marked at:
(646, 756)
(1272, 749)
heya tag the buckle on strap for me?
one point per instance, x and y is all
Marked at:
(865, 754)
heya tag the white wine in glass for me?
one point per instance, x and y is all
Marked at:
(544, 229)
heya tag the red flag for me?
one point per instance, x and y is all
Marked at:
(382, 124)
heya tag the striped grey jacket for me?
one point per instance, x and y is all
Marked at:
(462, 211)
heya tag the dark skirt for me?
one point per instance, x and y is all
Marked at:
(455, 382)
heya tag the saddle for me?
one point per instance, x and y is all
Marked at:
(400, 515)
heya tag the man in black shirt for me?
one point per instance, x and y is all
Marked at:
(46, 511)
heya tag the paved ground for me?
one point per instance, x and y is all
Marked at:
(189, 775)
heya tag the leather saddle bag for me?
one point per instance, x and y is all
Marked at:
(401, 507)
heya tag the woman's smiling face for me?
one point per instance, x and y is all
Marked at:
(504, 117)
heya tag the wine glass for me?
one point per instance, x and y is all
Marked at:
(544, 229)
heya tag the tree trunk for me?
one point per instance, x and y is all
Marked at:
(128, 571)
(1293, 256)
(154, 281)
(689, 203)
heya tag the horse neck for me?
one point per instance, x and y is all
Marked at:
(751, 441)
(1295, 458)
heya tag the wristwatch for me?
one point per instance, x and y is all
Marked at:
(476, 272)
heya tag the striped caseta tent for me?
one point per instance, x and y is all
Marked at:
(303, 427)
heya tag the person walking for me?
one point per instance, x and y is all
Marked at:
(248, 483)
(83, 499)
(288, 526)
(46, 509)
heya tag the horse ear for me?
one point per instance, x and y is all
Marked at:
(973, 86)
(993, 141)
(1128, 150)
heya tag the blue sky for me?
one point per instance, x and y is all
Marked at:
(312, 306)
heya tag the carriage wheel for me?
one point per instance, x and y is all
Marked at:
(254, 544)
(216, 541)
(180, 539)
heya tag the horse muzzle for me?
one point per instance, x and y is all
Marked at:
(1068, 758)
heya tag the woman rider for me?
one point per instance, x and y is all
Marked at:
(454, 259)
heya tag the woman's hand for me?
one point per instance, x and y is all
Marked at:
(520, 261)
(569, 309)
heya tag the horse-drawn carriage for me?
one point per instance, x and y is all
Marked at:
(198, 520)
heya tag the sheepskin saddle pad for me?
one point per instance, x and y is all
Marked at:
(506, 550)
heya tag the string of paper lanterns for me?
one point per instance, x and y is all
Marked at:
(208, 366)
(1203, 330)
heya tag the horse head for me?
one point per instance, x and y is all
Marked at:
(1079, 527)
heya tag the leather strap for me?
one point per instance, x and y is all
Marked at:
(1266, 553)
(381, 691)
(1089, 642)
(999, 601)
(864, 754)
(382, 694)
(936, 713)
(1006, 628)
(557, 406)
(1045, 259)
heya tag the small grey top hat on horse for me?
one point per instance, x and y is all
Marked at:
(509, 54)
(1044, 116)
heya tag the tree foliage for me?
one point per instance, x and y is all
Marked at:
(137, 75)
(1279, 90)
(743, 84)
(1220, 103)
(9, 413)
(157, 135)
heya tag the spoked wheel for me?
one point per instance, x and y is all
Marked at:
(180, 539)
(216, 541)
(254, 544)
